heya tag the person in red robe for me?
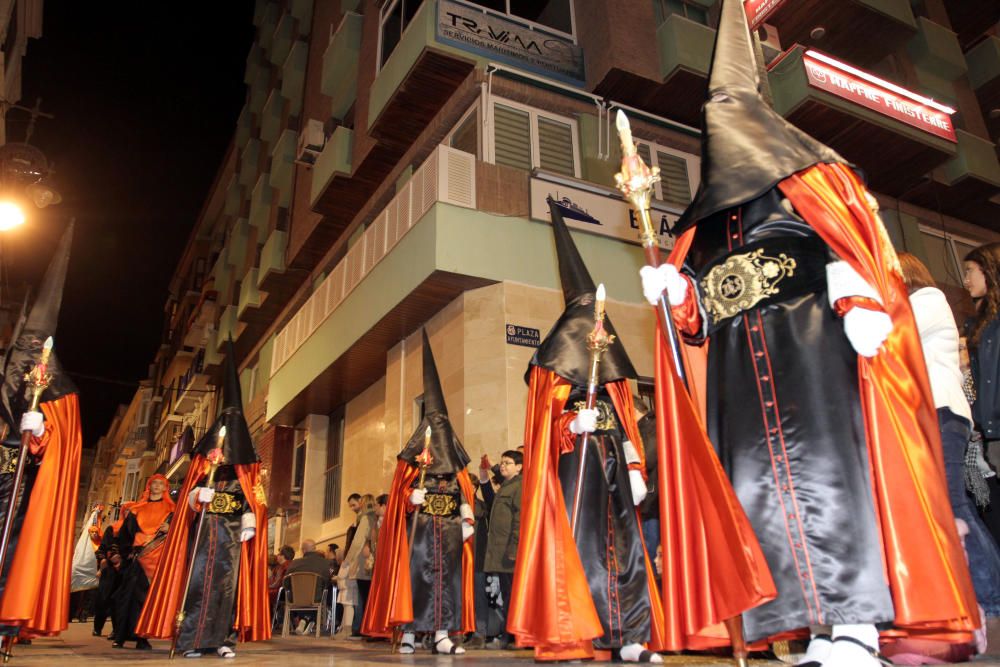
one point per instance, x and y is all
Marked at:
(817, 394)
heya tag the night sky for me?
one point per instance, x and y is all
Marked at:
(146, 97)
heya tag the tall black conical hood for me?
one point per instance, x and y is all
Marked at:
(746, 147)
(449, 456)
(237, 447)
(30, 335)
(564, 350)
(433, 396)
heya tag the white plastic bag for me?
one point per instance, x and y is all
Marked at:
(84, 576)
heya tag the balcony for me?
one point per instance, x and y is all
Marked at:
(244, 125)
(283, 167)
(236, 245)
(334, 160)
(234, 197)
(269, 18)
(272, 259)
(886, 131)
(340, 65)
(964, 186)
(259, 90)
(302, 10)
(293, 76)
(272, 117)
(191, 387)
(249, 159)
(862, 32)
(250, 296)
(201, 320)
(971, 18)
(415, 81)
(686, 51)
(261, 201)
(984, 76)
(281, 42)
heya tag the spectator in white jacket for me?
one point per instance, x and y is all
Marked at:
(939, 339)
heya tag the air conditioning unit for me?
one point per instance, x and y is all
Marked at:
(770, 43)
(311, 142)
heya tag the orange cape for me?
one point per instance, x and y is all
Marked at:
(37, 593)
(390, 601)
(925, 563)
(253, 621)
(551, 607)
(150, 516)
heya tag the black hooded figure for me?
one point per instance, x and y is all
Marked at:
(436, 556)
(208, 622)
(609, 537)
(783, 405)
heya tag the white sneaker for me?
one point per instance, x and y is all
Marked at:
(192, 654)
(311, 628)
(226, 652)
(301, 627)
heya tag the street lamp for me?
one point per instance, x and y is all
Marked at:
(11, 216)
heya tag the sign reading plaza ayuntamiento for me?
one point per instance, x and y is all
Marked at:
(524, 336)
(508, 41)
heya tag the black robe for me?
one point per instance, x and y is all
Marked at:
(210, 605)
(108, 580)
(436, 558)
(8, 463)
(784, 413)
(133, 585)
(609, 536)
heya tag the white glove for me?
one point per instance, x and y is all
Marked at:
(584, 422)
(247, 534)
(639, 489)
(34, 423)
(205, 494)
(467, 531)
(664, 277)
(867, 330)
(417, 496)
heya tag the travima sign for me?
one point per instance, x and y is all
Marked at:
(599, 211)
(507, 41)
(888, 99)
(758, 10)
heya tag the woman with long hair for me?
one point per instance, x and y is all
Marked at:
(359, 559)
(940, 342)
(982, 280)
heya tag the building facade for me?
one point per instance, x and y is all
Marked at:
(390, 171)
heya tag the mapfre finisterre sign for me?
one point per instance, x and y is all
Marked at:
(507, 41)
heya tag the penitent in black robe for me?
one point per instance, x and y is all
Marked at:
(436, 559)
(785, 415)
(8, 464)
(208, 612)
(609, 537)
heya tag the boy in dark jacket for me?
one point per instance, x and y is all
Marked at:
(504, 528)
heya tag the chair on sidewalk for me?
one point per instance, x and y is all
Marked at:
(304, 591)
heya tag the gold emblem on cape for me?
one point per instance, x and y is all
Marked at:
(439, 504)
(742, 281)
(605, 414)
(224, 503)
(259, 494)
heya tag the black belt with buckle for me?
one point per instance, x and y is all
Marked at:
(762, 273)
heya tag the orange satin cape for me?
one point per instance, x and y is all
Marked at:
(551, 607)
(37, 593)
(253, 621)
(925, 562)
(150, 516)
(390, 600)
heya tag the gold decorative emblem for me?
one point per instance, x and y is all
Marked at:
(742, 281)
(224, 503)
(605, 414)
(259, 494)
(8, 460)
(440, 504)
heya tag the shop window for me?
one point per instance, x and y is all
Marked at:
(554, 15)
(679, 172)
(523, 137)
(689, 10)
(394, 18)
(334, 466)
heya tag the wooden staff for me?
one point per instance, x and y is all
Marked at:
(636, 182)
(214, 459)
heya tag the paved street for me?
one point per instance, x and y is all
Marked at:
(78, 647)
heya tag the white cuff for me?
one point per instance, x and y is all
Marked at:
(193, 500)
(843, 281)
(248, 520)
(466, 513)
(631, 454)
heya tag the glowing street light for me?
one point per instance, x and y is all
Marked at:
(11, 216)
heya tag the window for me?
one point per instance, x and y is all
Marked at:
(690, 10)
(465, 135)
(298, 471)
(679, 172)
(394, 17)
(524, 138)
(944, 254)
(554, 15)
(334, 465)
